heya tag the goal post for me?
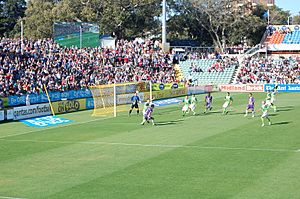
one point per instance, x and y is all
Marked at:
(111, 99)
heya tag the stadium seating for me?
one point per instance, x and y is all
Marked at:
(292, 38)
(206, 77)
(284, 38)
(276, 38)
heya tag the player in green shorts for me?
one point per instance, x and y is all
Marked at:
(227, 103)
(192, 106)
(186, 104)
(265, 108)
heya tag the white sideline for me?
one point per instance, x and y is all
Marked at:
(154, 145)
(5, 197)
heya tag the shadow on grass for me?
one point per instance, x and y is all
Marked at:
(281, 123)
(284, 109)
(163, 123)
(236, 113)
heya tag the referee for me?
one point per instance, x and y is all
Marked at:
(135, 100)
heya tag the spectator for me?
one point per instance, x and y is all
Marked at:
(261, 71)
(24, 69)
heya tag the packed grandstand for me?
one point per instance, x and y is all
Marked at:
(25, 68)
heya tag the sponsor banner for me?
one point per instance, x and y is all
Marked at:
(167, 93)
(2, 115)
(10, 114)
(67, 106)
(25, 112)
(54, 96)
(167, 86)
(166, 102)
(241, 88)
(200, 89)
(283, 87)
(47, 121)
(89, 103)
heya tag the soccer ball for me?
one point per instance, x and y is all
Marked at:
(137, 92)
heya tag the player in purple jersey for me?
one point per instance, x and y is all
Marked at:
(208, 102)
(148, 115)
(250, 106)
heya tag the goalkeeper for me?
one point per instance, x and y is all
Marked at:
(135, 100)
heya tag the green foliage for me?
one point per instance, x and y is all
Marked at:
(10, 12)
(124, 18)
(211, 22)
(39, 19)
(296, 20)
(278, 16)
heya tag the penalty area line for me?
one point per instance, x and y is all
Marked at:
(156, 145)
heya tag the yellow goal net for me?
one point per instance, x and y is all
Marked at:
(111, 99)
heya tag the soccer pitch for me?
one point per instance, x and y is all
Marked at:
(202, 156)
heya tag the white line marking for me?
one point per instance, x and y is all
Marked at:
(298, 150)
(55, 127)
(153, 145)
(5, 197)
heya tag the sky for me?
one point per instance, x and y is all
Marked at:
(292, 5)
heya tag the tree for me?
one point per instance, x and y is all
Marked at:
(296, 19)
(184, 24)
(124, 18)
(39, 19)
(278, 16)
(217, 17)
(10, 12)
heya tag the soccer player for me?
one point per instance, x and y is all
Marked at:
(135, 100)
(208, 101)
(148, 115)
(193, 102)
(250, 105)
(227, 103)
(273, 95)
(264, 108)
(146, 105)
(186, 104)
(270, 99)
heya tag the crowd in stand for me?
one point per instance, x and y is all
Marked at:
(282, 71)
(25, 68)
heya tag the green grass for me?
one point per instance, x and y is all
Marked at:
(203, 156)
(89, 39)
